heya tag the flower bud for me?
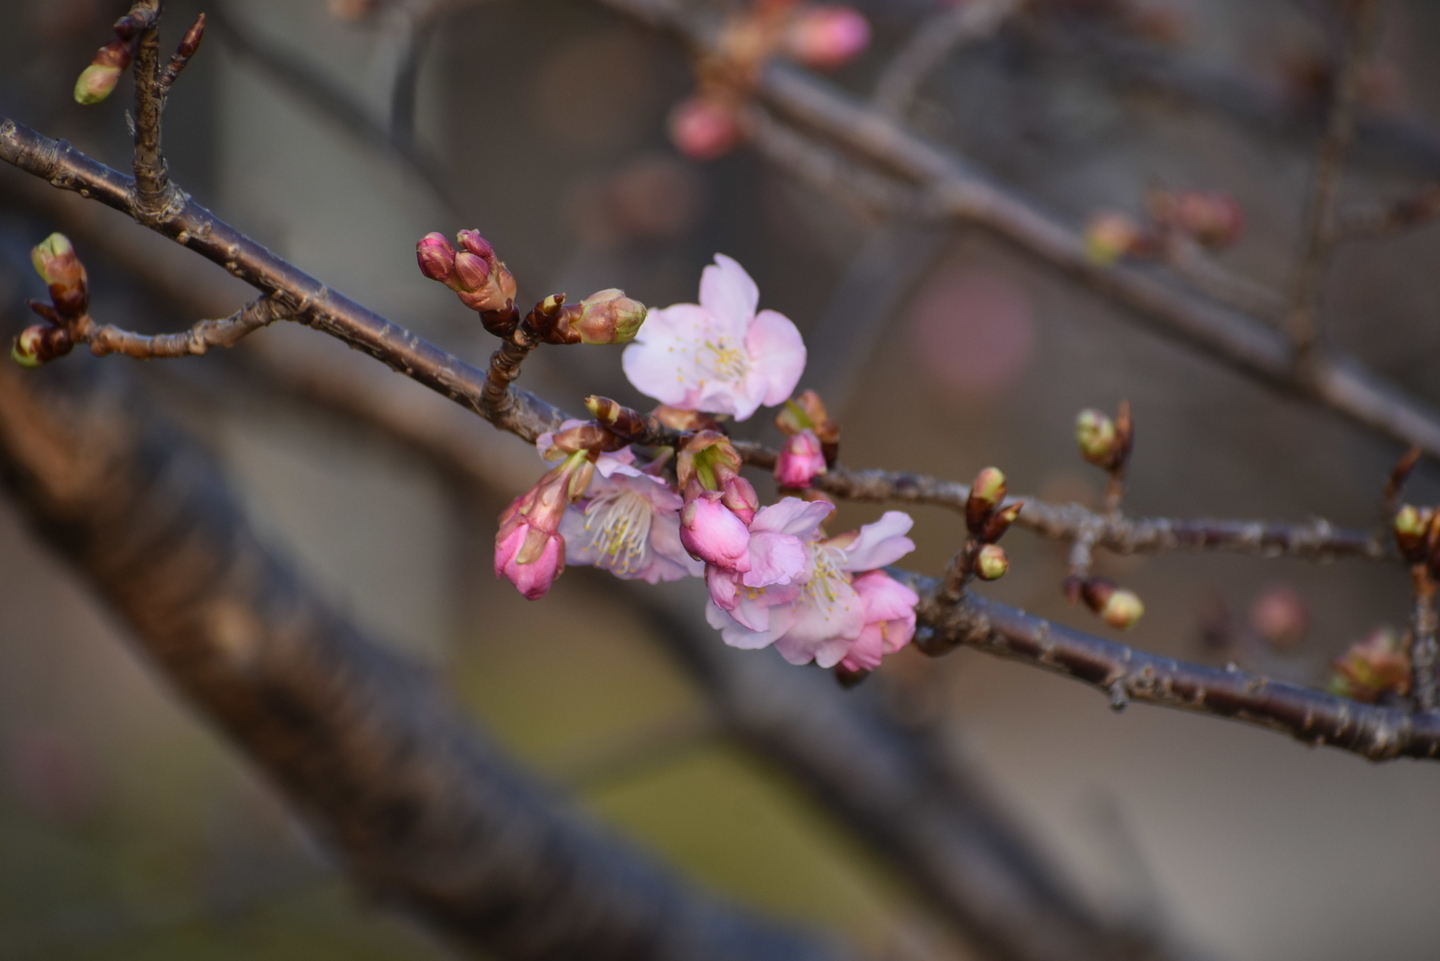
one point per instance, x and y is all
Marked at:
(1411, 527)
(1111, 236)
(678, 418)
(1279, 618)
(1000, 522)
(739, 495)
(827, 37)
(712, 532)
(436, 257)
(986, 494)
(476, 244)
(703, 128)
(40, 344)
(1121, 609)
(1372, 668)
(98, 80)
(471, 273)
(608, 317)
(55, 261)
(991, 563)
(587, 436)
(1098, 439)
(1212, 218)
(620, 419)
(708, 458)
(800, 460)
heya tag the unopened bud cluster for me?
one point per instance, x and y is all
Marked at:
(1417, 535)
(1211, 219)
(66, 314)
(988, 517)
(708, 124)
(98, 80)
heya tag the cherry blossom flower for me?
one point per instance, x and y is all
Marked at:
(889, 621)
(719, 355)
(629, 525)
(819, 615)
(529, 549)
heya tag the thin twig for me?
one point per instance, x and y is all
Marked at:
(935, 39)
(109, 339)
(958, 192)
(156, 199)
(1415, 210)
(1320, 214)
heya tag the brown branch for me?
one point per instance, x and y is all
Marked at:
(1189, 261)
(108, 339)
(1126, 674)
(1414, 210)
(928, 816)
(156, 199)
(308, 301)
(423, 811)
(958, 192)
(936, 38)
(1320, 233)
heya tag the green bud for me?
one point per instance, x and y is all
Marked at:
(1122, 609)
(1096, 434)
(609, 317)
(96, 82)
(991, 563)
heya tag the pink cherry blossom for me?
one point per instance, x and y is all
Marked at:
(714, 533)
(827, 37)
(889, 620)
(529, 557)
(629, 525)
(774, 565)
(827, 615)
(800, 460)
(717, 356)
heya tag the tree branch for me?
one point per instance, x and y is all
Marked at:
(1125, 674)
(423, 811)
(937, 37)
(957, 191)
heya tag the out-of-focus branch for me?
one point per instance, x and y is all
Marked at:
(1320, 234)
(927, 818)
(937, 37)
(962, 194)
(1406, 213)
(421, 809)
(1125, 674)
(309, 85)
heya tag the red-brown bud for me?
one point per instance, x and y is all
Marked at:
(436, 257)
(40, 344)
(1119, 608)
(1372, 668)
(98, 80)
(1412, 527)
(624, 421)
(986, 494)
(1213, 219)
(678, 418)
(1000, 522)
(709, 458)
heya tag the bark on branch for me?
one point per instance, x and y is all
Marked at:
(421, 809)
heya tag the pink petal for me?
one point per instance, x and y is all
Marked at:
(733, 632)
(885, 598)
(711, 531)
(880, 543)
(775, 559)
(867, 651)
(661, 362)
(728, 293)
(791, 515)
(777, 354)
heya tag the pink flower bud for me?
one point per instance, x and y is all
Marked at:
(704, 129)
(800, 460)
(739, 495)
(609, 317)
(476, 244)
(530, 558)
(711, 531)
(471, 272)
(827, 37)
(436, 257)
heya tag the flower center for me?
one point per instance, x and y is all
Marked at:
(825, 578)
(722, 360)
(623, 518)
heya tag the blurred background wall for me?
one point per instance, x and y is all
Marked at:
(127, 830)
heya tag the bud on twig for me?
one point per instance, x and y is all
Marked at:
(986, 494)
(1000, 522)
(625, 421)
(991, 563)
(1372, 668)
(1095, 433)
(826, 37)
(800, 461)
(807, 412)
(1412, 527)
(709, 458)
(1121, 609)
(1110, 236)
(1211, 218)
(477, 276)
(97, 81)
(704, 127)
(608, 317)
(677, 418)
(40, 344)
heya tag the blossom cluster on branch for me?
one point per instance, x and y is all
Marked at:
(665, 512)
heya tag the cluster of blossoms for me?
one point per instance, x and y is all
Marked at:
(659, 514)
